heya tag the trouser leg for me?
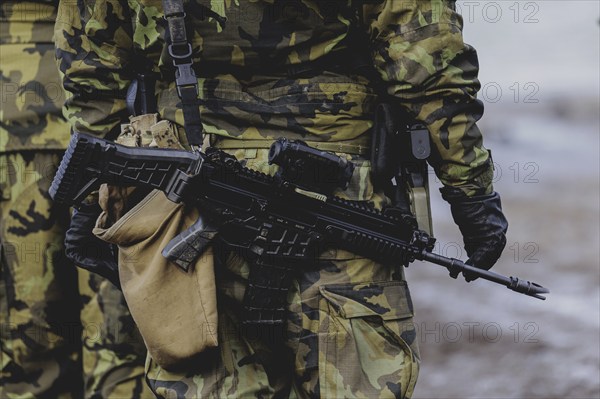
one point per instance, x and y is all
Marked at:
(113, 349)
(39, 299)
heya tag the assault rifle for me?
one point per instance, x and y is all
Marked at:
(279, 223)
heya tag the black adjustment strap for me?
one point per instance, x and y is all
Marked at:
(180, 51)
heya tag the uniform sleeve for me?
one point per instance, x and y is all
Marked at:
(424, 63)
(93, 49)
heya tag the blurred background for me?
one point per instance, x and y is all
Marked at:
(540, 83)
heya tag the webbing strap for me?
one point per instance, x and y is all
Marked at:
(180, 51)
(352, 147)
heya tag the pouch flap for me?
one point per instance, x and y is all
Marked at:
(389, 300)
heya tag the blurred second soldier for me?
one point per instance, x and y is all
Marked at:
(40, 301)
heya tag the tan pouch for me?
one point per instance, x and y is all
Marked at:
(176, 312)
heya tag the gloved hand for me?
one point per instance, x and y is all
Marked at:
(86, 250)
(482, 224)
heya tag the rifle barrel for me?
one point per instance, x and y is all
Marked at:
(518, 285)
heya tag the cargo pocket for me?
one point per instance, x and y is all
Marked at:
(368, 345)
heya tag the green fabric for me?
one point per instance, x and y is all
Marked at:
(32, 93)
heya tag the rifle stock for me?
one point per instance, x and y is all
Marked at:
(90, 161)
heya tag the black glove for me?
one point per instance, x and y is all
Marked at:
(482, 224)
(86, 250)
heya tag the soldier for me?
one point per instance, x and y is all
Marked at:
(40, 301)
(272, 68)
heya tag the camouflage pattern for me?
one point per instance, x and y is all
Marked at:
(344, 339)
(41, 325)
(39, 301)
(245, 89)
(32, 94)
(349, 332)
(113, 350)
(420, 52)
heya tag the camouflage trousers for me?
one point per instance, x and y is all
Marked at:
(113, 350)
(39, 299)
(42, 323)
(349, 332)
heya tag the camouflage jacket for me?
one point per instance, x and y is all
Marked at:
(246, 90)
(32, 94)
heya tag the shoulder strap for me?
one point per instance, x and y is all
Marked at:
(180, 51)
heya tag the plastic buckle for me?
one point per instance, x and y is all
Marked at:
(185, 76)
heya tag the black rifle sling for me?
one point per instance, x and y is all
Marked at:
(180, 51)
